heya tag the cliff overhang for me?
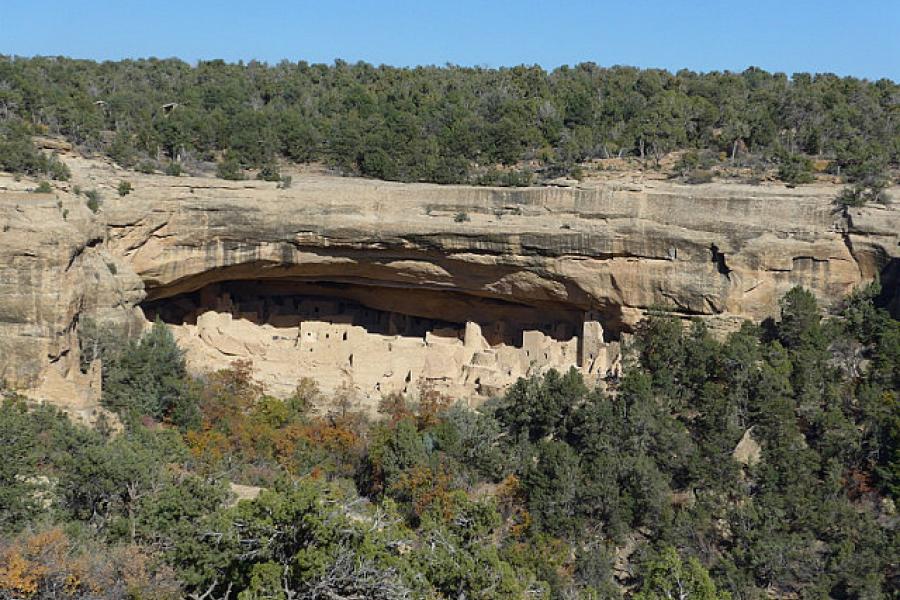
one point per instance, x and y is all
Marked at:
(511, 261)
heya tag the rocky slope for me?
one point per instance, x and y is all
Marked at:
(724, 252)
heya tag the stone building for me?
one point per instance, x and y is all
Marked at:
(339, 342)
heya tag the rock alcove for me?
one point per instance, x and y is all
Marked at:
(375, 338)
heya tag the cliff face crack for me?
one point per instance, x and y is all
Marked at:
(80, 250)
(719, 259)
(154, 232)
(848, 242)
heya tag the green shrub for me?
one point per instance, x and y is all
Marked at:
(698, 176)
(229, 168)
(147, 167)
(173, 169)
(269, 172)
(870, 189)
(122, 151)
(19, 155)
(461, 217)
(694, 165)
(495, 177)
(43, 187)
(145, 377)
(57, 170)
(795, 169)
(687, 162)
(93, 200)
(124, 188)
(859, 161)
(522, 178)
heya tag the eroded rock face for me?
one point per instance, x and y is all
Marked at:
(56, 271)
(721, 251)
(605, 252)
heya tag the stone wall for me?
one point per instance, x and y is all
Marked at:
(338, 353)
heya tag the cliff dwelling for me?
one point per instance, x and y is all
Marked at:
(380, 339)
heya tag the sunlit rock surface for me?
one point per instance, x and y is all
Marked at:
(529, 269)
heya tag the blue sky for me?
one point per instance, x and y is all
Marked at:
(848, 37)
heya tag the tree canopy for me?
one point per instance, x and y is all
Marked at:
(556, 489)
(442, 124)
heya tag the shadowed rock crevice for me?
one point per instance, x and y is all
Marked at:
(889, 297)
(379, 308)
(718, 258)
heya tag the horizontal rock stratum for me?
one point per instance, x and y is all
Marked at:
(722, 252)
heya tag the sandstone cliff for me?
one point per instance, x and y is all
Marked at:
(724, 252)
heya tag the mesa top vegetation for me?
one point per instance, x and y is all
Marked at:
(440, 124)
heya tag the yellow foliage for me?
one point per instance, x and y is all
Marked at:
(208, 446)
(431, 404)
(511, 497)
(18, 574)
(31, 562)
(428, 490)
(50, 546)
